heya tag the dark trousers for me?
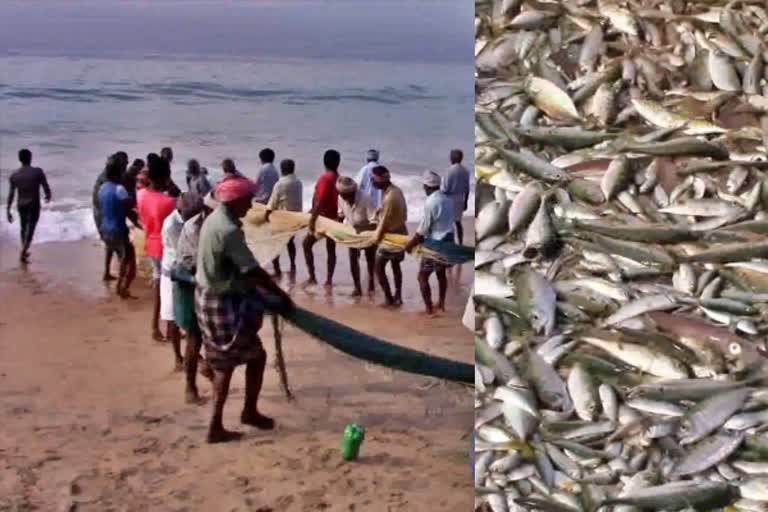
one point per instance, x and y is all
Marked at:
(28, 217)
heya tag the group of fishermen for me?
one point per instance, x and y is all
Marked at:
(207, 282)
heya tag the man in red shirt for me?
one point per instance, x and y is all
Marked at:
(325, 202)
(154, 205)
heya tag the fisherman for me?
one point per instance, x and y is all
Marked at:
(131, 177)
(230, 301)
(325, 202)
(437, 225)
(267, 177)
(112, 160)
(167, 154)
(287, 195)
(170, 235)
(114, 204)
(142, 180)
(456, 185)
(365, 178)
(356, 209)
(197, 179)
(194, 210)
(392, 219)
(154, 205)
(172, 189)
(229, 169)
(27, 182)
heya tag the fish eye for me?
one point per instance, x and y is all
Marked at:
(734, 348)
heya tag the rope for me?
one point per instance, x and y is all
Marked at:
(279, 358)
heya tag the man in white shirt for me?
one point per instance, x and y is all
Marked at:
(365, 178)
(171, 230)
(437, 225)
(356, 209)
(456, 185)
(267, 177)
(287, 195)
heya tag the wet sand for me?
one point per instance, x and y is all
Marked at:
(94, 418)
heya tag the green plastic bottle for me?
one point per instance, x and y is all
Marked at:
(351, 441)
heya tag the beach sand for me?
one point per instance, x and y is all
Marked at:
(94, 418)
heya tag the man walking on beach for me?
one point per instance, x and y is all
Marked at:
(392, 219)
(194, 210)
(154, 205)
(456, 186)
(26, 182)
(287, 195)
(114, 204)
(230, 304)
(365, 178)
(325, 202)
(356, 209)
(267, 177)
(437, 224)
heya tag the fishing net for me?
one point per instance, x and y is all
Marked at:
(378, 351)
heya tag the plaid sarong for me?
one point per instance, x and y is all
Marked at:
(229, 325)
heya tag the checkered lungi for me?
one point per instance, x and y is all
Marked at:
(229, 325)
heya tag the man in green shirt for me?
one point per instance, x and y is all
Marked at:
(230, 301)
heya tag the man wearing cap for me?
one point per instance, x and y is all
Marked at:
(365, 178)
(325, 202)
(437, 224)
(393, 217)
(456, 186)
(194, 211)
(230, 300)
(356, 209)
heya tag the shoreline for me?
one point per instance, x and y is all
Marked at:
(93, 405)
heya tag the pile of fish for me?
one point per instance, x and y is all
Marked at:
(621, 285)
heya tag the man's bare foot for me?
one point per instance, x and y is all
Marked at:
(398, 301)
(108, 277)
(222, 436)
(388, 304)
(179, 366)
(257, 420)
(441, 307)
(192, 397)
(157, 336)
(357, 293)
(24, 257)
(310, 282)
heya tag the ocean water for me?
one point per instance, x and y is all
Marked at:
(73, 112)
